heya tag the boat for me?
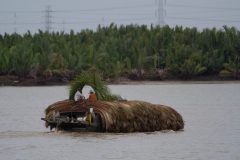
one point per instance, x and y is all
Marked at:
(74, 120)
(109, 113)
(111, 116)
(75, 125)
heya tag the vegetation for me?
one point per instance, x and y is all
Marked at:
(132, 50)
(95, 81)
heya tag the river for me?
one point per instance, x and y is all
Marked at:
(211, 113)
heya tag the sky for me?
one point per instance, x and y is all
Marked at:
(63, 15)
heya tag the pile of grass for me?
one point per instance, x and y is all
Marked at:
(125, 116)
(94, 80)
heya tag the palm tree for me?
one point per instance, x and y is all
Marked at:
(192, 67)
(232, 69)
(113, 50)
(213, 60)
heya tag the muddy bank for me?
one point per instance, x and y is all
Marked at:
(15, 81)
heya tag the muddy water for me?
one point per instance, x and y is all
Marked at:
(211, 113)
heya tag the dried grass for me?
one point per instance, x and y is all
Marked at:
(125, 116)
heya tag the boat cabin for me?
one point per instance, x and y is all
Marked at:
(75, 121)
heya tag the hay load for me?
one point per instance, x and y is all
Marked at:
(113, 113)
(124, 116)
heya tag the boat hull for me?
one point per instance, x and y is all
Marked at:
(77, 126)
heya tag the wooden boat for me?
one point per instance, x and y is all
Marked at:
(112, 116)
(75, 122)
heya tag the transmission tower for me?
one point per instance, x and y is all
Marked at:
(63, 26)
(48, 18)
(15, 19)
(102, 21)
(160, 13)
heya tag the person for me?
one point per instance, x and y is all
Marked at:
(92, 96)
(90, 116)
(78, 95)
(56, 116)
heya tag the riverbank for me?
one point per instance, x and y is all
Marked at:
(14, 81)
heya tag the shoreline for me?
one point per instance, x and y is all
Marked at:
(12, 81)
(147, 82)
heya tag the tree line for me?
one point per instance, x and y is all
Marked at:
(132, 50)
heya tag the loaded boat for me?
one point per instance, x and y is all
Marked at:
(111, 116)
(110, 113)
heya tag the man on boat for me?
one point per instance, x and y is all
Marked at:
(78, 95)
(56, 116)
(92, 96)
(90, 116)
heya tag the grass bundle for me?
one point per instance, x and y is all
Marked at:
(94, 80)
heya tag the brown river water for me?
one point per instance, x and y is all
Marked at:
(211, 113)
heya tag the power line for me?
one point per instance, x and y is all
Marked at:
(98, 13)
(200, 12)
(19, 23)
(221, 16)
(202, 7)
(107, 20)
(203, 19)
(101, 9)
(20, 11)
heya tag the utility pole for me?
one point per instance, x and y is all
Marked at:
(48, 18)
(102, 21)
(15, 19)
(160, 13)
(63, 25)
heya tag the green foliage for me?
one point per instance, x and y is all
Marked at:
(192, 67)
(114, 50)
(94, 80)
(231, 69)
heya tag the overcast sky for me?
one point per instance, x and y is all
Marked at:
(64, 15)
